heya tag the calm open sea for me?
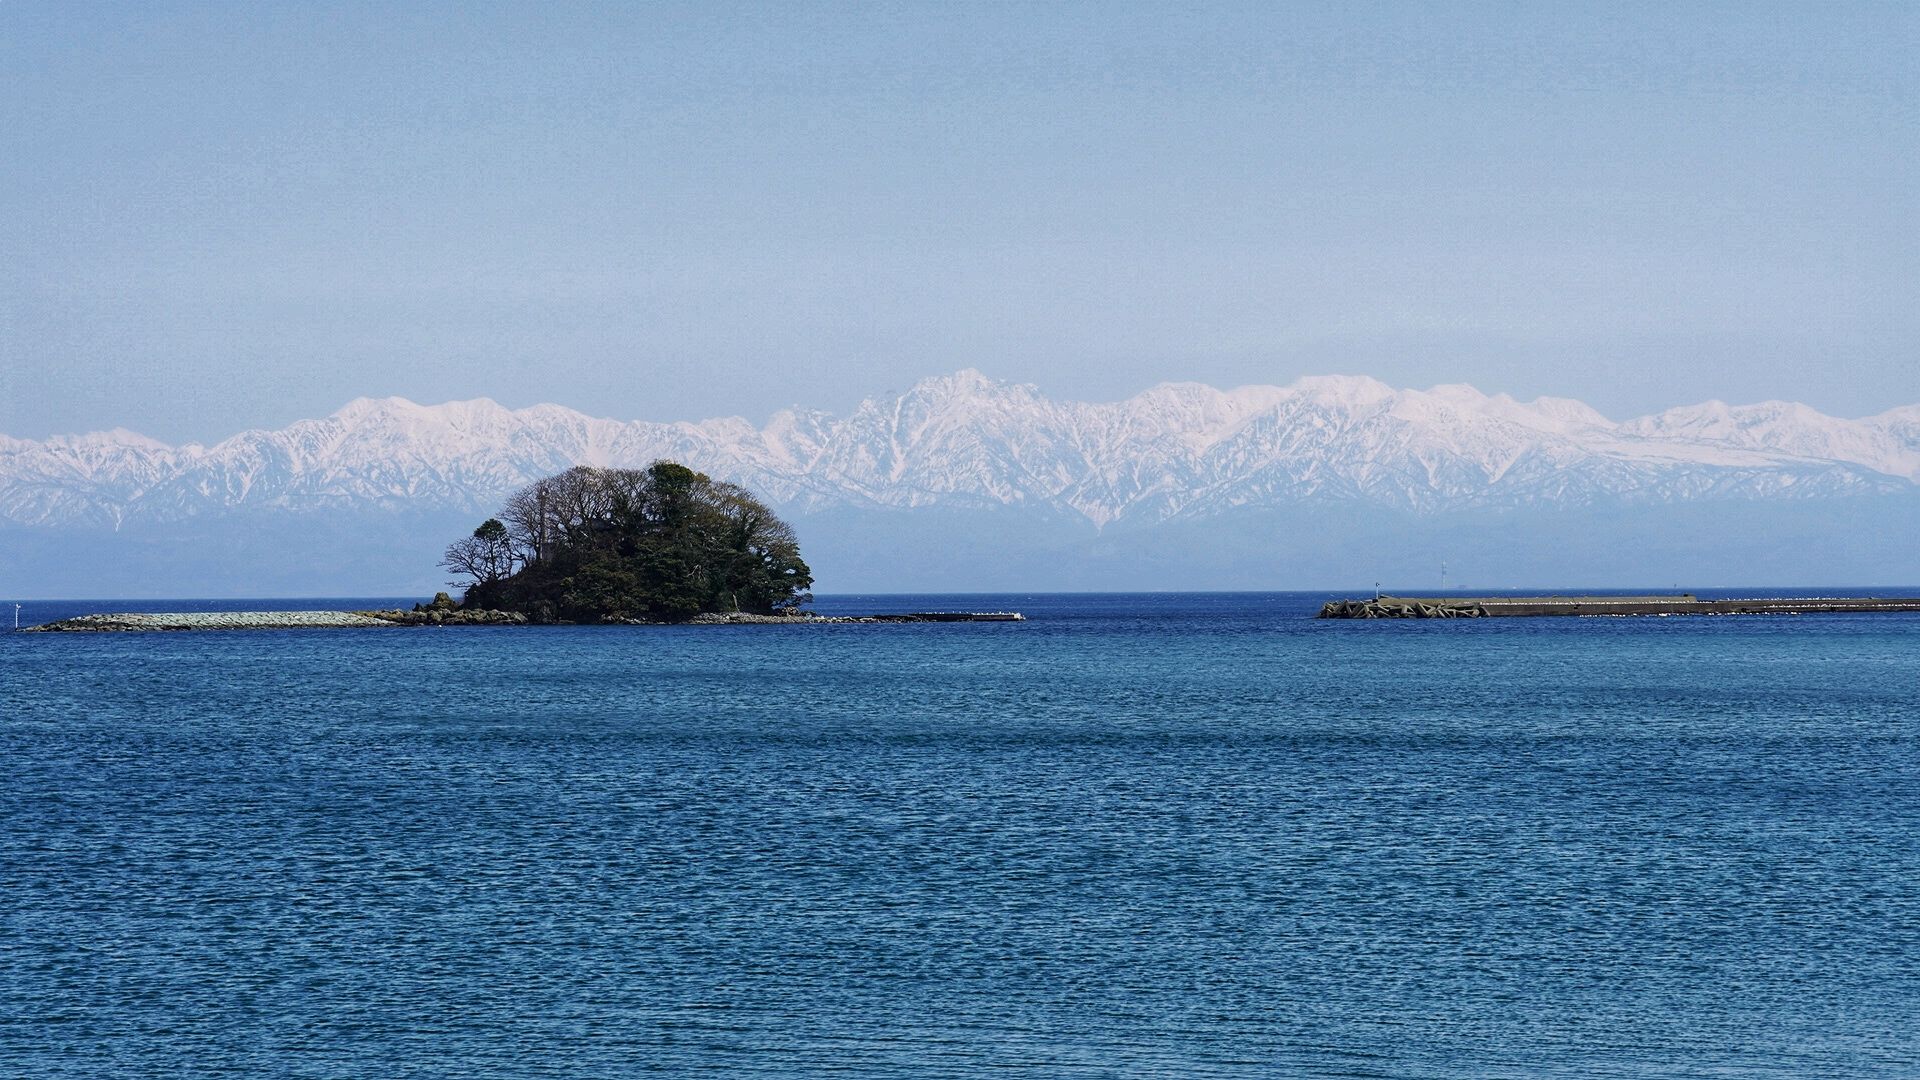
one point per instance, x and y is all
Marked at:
(1159, 835)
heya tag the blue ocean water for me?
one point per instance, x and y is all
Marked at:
(1151, 835)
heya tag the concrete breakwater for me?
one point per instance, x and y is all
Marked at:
(211, 620)
(125, 621)
(1470, 607)
(121, 622)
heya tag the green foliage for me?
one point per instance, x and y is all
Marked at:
(661, 543)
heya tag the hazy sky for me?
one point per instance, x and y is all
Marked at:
(215, 217)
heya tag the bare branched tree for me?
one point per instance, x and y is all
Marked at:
(484, 559)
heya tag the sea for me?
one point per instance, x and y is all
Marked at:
(1148, 835)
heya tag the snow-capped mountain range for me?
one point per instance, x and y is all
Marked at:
(1179, 450)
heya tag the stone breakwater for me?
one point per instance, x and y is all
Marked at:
(214, 620)
(132, 621)
(122, 622)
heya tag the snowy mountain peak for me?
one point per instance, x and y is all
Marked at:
(1460, 393)
(1357, 391)
(961, 391)
(1567, 411)
(360, 410)
(1177, 450)
(1879, 443)
(399, 411)
(116, 438)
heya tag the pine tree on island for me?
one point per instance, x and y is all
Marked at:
(659, 544)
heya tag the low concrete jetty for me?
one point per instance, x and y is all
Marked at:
(1479, 607)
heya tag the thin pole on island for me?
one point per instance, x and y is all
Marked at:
(16, 616)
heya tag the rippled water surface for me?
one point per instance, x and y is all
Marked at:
(1181, 835)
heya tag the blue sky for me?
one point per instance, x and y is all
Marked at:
(237, 215)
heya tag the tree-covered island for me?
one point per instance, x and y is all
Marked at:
(660, 544)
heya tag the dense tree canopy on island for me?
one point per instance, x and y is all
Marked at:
(662, 543)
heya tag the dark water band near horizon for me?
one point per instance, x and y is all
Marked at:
(1138, 835)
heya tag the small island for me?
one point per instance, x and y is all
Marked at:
(659, 545)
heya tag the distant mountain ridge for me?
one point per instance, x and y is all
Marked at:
(964, 441)
(965, 483)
